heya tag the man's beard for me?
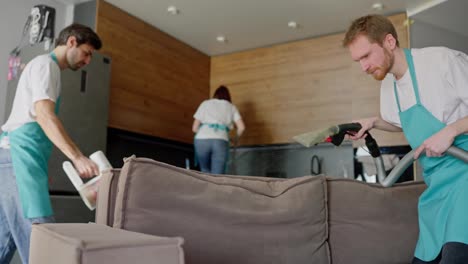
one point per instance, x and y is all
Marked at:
(73, 65)
(385, 68)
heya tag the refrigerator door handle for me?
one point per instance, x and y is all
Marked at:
(84, 81)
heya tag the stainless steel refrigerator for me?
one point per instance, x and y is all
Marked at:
(84, 113)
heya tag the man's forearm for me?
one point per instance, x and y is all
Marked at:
(55, 131)
(459, 127)
(381, 124)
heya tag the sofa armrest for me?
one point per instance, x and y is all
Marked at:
(106, 198)
(93, 244)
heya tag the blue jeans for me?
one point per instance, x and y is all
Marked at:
(212, 155)
(15, 229)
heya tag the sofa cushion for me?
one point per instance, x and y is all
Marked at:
(93, 244)
(370, 224)
(226, 219)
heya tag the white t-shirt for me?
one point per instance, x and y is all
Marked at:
(442, 76)
(215, 111)
(40, 80)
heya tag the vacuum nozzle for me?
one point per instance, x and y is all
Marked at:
(313, 138)
(88, 190)
(336, 135)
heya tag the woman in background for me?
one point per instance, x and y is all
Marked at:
(213, 121)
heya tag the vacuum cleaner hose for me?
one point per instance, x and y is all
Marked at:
(408, 159)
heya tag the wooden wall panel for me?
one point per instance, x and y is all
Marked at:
(157, 82)
(301, 86)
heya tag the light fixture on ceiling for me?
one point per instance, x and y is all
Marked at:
(408, 22)
(378, 7)
(221, 39)
(293, 24)
(173, 10)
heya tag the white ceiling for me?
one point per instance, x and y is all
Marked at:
(250, 24)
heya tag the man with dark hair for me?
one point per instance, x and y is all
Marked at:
(82, 34)
(26, 143)
(424, 92)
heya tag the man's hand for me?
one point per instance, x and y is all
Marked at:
(367, 124)
(86, 168)
(373, 122)
(437, 144)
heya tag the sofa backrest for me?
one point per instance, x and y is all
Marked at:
(241, 219)
(370, 224)
(225, 219)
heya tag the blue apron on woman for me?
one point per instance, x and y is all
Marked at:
(30, 151)
(443, 214)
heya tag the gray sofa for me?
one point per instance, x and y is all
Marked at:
(242, 219)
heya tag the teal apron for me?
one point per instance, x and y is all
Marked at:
(216, 127)
(30, 151)
(443, 213)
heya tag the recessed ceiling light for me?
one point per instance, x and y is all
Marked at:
(293, 24)
(221, 39)
(378, 6)
(173, 10)
(408, 22)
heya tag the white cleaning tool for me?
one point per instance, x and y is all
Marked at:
(88, 190)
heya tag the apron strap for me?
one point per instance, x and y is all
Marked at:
(409, 60)
(54, 57)
(216, 127)
(396, 96)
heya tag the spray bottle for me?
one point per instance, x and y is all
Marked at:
(88, 190)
